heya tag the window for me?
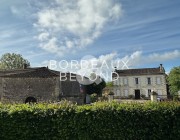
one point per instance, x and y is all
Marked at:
(149, 92)
(118, 93)
(158, 80)
(115, 82)
(118, 82)
(136, 81)
(125, 81)
(149, 81)
(126, 93)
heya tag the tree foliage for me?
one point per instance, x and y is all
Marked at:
(12, 61)
(95, 88)
(174, 80)
(99, 87)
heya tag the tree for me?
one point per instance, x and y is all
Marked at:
(174, 80)
(99, 87)
(13, 61)
(94, 88)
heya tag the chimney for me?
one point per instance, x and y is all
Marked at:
(161, 68)
(115, 69)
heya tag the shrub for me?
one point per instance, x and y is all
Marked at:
(143, 96)
(175, 98)
(102, 120)
(154, 93)
(104, 97)
(111, 93)
(94, 97)
(131, 96)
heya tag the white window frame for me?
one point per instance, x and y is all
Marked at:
(149, 92)
(125, 81)
(148, 80)
(126, 93)
(158, 80)
(118, 93)
(136, 81)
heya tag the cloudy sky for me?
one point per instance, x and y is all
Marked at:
(143, 33)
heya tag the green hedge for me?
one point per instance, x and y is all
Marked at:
(99, 121)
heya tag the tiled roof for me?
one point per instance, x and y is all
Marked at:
(42, 72)
(143, 71)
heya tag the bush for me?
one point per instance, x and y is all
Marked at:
(154, 93)
(94, 97)
(143, 96)
(131, 96)
(111, 93)
(102, 120)
(175, 98)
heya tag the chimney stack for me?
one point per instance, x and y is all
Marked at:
(115, 69)
(161, 68)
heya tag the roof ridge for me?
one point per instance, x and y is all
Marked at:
(41, 71)
(138, 69)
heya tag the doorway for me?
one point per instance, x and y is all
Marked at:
(30, 100)
(137, 94)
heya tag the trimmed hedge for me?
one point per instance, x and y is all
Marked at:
(98, 121)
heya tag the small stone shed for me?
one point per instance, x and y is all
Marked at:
(38, 85)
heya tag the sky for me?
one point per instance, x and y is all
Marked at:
(138, 33)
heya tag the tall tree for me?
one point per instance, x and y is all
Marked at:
(174, 80)
(95, 88)
(13, 61)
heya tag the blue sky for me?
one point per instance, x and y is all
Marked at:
(146, 32)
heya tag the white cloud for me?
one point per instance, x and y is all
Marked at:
(75, 24)
(43, 36)
(164, 57)
(138, 58)
(52, 47)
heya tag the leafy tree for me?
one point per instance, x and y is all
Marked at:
(99, 87)
(95, 88)
(12, 61)
(174, 80)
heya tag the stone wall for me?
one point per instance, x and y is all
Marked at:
(18, 89)
(70, 90)
(42, 89)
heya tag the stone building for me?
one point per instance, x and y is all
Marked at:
(37, 84)
(71, 88)
(140, 82)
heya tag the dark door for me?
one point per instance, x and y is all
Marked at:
(30, 100)
(137, 94)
